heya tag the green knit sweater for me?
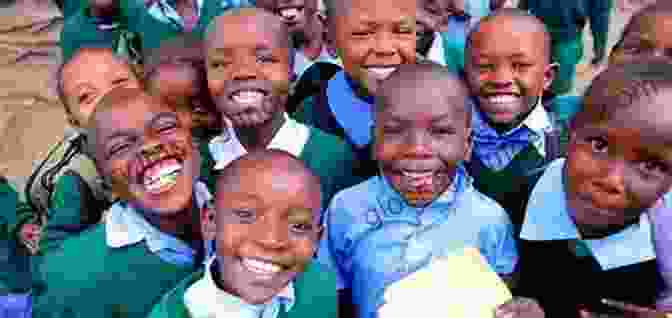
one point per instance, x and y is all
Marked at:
(86, 278)
(315, 294)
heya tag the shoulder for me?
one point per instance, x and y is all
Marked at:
(481, 206)
(348, 206)
(329, 145)
(172, 304)
(316, 286)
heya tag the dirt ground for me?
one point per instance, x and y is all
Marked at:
(32, 119)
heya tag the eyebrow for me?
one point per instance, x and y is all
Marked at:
(124, 133)
(434, 120)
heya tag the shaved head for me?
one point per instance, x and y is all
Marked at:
(269, 162)
(254, 17)
(428, 77)
(521, 20)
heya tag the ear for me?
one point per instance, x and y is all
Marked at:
(549, 75)
(208, 224)
(469, 144)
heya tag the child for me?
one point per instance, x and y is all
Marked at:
(422, 204)
(92, 25)
(371, 46)
(586, 234)
(306, 28)
(176, 73)
(66, 183)
(18, 235)
(250, 87)
(565, 21)
(647, 34)
(508, 68)
(267, 227)
(150, 239)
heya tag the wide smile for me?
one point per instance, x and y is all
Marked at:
(262, 269)
(248, 97)
(161, 175)
(381, 72)
(502, 99)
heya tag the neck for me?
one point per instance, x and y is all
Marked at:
(259, 137)
(182, 225)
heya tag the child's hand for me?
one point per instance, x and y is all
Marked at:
(30, 235)
(520, 307)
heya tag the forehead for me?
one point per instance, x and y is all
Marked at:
(427, 98)
(507, 35)
(658, 25)
(81, 63)
(381, 10)
(245, 30)
(134, 115)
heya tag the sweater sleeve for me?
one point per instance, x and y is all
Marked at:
(599, 14)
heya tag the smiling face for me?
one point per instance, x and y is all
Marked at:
(374, 37)
(618, 166)
(144, 148)
(88, 76)
(421, 134)
(179, 85)
(267, 228)
(649, 35)
(508, 68)
(248, 66)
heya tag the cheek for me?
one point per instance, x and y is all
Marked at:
(215, 83)
(581, 167)
(119, 172)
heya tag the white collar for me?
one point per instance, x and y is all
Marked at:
(124, 226)
(204, 299)
(291, 137)
(539, 122)
(436, 52)
(547, 218)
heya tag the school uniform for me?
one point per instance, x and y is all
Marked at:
(565, 21)
(564, 272)
(116, 269)
(15, 266)
(336, 110)
(84, 30)
(327, 156)
(515, 158)
(374, 239)
(158, 20)
(199, 296)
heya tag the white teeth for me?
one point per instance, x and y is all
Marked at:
(503, 99)
(260, 267)
(248, 97)
(165, 175)
(416, 175)
(381, 72)
(289, 12)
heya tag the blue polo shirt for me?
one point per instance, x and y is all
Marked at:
(373, 238)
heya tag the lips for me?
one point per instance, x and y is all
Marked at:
(263, 268)
(381, 72)
(161, 175)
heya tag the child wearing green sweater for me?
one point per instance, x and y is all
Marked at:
(151, 239)
(266, 224)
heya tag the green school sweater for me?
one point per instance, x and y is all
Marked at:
(315, 294)
(566, 19)
(14, 257)
(86, 278)
(326, 155)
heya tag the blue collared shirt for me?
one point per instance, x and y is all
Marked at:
(531, 130)
(354, 114)
(547, 218)
(373, 238)
(125, 226)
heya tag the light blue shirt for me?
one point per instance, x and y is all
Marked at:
(547, 218)
(496, 151)
(351, 112)
(125, 226)
(373, 238)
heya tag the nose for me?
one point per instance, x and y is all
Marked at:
(613, 183)
(384, 45)
(502, 77)
(418, 145)
(272, 234)
(245, 70)
(151, 150)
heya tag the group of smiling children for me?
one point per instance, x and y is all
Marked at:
(187, 189)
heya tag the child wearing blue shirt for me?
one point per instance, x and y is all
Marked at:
(586, 227)
(422, 205)
(373, 38)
